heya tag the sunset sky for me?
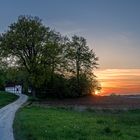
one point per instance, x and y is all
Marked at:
(119, 81)
(111, 27)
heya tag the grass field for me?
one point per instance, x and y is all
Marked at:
(52, 123)
(6, 98)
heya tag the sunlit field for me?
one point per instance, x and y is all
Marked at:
(53, 123)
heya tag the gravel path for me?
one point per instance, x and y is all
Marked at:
(7, 115)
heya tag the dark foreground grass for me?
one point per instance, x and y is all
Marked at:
(6, 98)
(38, 123)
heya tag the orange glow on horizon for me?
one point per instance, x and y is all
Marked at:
(119, 81)
(97, 92)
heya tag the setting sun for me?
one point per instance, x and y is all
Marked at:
(97, 92)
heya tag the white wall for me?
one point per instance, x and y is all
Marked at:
(15, 89)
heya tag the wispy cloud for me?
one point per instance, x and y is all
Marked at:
(117, 50)
(66, 27)
(72, 32)
(121, 81)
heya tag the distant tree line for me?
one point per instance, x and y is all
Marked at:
(45, 61)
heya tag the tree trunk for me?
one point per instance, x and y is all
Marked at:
(77, 72)
(52, 74)
(33, 92)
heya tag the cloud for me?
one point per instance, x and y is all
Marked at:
(116, 50)
(66, 27)
(122, 81)
(72, 32)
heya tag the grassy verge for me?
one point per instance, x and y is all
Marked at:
(6, 98)
(38, 123)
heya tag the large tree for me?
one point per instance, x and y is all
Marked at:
(25, 41)
(82, 59)
(53, 54)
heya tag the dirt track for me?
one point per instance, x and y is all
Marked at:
(116, 102)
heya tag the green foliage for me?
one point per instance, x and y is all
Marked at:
(36, 123)
(82, 58)
(47, 62)
(2, 79)
(24, 40)
(13, 75)
(6, 98)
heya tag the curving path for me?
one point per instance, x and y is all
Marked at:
(7, 115)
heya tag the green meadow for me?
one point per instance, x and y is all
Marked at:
(6, 98)
(55, 123)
